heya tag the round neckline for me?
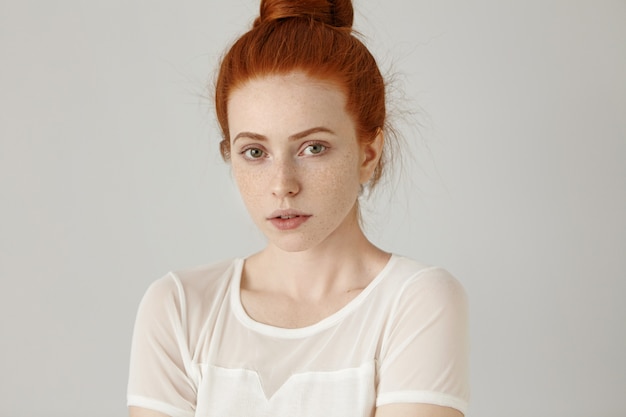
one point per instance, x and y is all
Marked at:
(300, 332)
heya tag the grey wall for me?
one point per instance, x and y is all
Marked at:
(515, 181)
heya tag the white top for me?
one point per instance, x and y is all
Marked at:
(196, 352)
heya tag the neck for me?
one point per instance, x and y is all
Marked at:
(346, 261)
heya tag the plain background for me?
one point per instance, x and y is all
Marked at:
(514, 114)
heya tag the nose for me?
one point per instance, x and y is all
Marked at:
(285, 181)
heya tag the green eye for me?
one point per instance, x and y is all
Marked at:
(314, 149)
(253, 153)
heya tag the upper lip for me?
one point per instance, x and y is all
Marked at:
(286, 213)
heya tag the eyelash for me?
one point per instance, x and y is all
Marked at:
(311, 144)
(246, 151)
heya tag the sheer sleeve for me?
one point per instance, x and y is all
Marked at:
(161, 376)
(424, 356)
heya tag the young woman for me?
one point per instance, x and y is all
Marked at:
(321, 322)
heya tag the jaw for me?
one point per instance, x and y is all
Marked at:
(310, 240)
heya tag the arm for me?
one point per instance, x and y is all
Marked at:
(414, 410)
(159, 377)
(144, 412)
(424, 359)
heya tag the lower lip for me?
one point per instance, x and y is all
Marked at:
(289, 224)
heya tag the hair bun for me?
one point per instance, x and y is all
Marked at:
(338, 13)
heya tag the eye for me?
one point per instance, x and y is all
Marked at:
(314, 149)
(253, 153)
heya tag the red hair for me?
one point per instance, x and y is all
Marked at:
(315, 37)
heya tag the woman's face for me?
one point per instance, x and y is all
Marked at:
(296, 159)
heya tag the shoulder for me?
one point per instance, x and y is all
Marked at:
(418, 279)
(180, 287)
(424, 349)
(205, 277)
(421, 293)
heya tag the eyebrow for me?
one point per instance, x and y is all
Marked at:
(295, 136)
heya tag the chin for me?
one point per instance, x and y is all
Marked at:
(308, 238)
(295, 242)
(301, 242)
(292, 245)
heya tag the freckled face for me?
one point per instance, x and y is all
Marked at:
(296, 159)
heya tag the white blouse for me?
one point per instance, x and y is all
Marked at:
(196, 352)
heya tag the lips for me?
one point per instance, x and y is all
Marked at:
(288, 219)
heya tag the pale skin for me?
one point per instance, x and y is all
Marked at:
(295, 152)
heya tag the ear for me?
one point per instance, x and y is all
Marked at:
(370, 155)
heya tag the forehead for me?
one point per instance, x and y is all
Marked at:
(293, 81)
(293, 101)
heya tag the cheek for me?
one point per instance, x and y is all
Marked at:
(341, 180)
(249, 182)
